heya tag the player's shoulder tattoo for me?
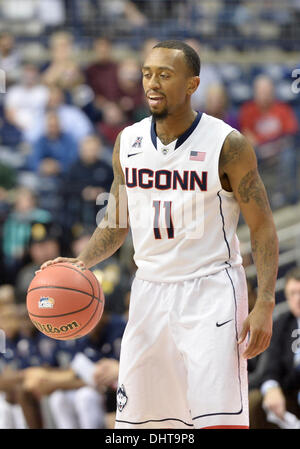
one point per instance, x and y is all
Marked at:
(234, 145)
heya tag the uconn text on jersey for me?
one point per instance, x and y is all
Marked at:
(146, 178)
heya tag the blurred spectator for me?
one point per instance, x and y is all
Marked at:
(63, 70)
(54, 152)
(158, 10)
(81, 392)
(271, 126)
(86, 178)
(217, 105)
(25, 101)
(102, 74)
(8, 181)
(208, 76)
(14, 10)
(67, 114)
(7, 295)
(114, 120)
(11, 415)
(51, 12)
(10, 58)
(114, 283)
(131, 96)
(81, 235)
(44, 12)
(264, 119)
(17, 229)
(116, 14)
(44, 245)
(25, 348)
(280, 381)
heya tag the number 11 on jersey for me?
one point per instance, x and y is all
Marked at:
(167, 205)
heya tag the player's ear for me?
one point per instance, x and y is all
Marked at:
(193, 84)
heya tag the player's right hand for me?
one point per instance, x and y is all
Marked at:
(76, 261)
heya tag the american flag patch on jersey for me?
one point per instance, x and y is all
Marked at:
(197, 156)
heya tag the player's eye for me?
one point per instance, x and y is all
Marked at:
(164, 76)
(146, 75)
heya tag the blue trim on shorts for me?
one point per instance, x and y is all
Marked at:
(238, 356)
(155, 420)
(236, 331)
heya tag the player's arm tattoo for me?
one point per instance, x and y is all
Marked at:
(232, 150)
(238, 157)
(107, 240)
(265, 255)
(252, 188)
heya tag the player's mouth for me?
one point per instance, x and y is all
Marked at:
(155, 100)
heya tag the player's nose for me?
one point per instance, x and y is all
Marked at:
(153, 82)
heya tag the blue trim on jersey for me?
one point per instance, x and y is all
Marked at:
(223, 227)
(180, 139)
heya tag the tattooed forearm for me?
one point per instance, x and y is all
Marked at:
(103, 243)
(265, 254)
(251, 188)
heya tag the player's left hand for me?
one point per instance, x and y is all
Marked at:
(259, 323)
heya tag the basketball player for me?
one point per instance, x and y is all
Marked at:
(184, 352)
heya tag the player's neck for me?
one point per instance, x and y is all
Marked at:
(173, 126)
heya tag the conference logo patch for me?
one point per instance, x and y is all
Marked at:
(45, 302)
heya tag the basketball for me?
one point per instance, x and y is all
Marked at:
(64, 301)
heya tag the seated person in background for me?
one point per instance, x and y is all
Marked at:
(68, 115)
(209, 77)
(280, 380)
(54, 152)
(114, 120)
(17, 228)
(10, 58)
(131, 96)
(81, 390)
(34, 351)
(25, 101)
(63, 70)
(8, 180)
(44, 242)
(7, 295)
(270, 126)
(25, 347)
(87, 177)
(265, 119)
(217, 105)
(102, 73)
(11, 415)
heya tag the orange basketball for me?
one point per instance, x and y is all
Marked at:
(64, 301)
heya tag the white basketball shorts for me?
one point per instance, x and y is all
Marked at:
(180, 364)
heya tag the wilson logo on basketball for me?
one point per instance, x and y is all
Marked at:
(45, 302)
(50, 329)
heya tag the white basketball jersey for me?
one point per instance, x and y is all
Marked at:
(183, 223)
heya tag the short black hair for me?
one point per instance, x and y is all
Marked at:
(191, 56)
(293, 273)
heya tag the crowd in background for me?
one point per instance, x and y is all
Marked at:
(59, 118)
